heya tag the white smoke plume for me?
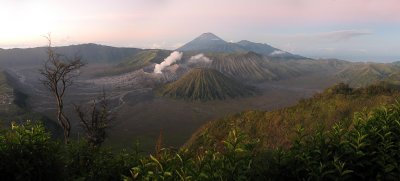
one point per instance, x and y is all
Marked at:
(277, 52)
(172, 58)
(199, 58)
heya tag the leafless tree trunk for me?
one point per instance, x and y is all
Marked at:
(96, 120)
(59, 72)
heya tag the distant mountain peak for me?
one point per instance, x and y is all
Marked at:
(244, 41)
(209, 36)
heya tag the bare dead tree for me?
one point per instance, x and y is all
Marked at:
(59, 72)
(96, 120)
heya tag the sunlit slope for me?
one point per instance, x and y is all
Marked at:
(276, 128)
(368, 73)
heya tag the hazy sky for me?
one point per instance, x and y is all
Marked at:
(361, 30)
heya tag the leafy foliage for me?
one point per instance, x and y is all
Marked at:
(365, 148)
(26, 151)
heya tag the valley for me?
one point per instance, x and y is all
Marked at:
(189, 92)
(141, 114)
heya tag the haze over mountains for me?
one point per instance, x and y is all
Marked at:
(211, 78)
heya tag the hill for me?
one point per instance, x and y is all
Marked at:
(204, 85)
(363, 74)
(208, 42)
(323, 110)
(89, 52)
(137, 61)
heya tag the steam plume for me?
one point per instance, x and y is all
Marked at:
(199, 58)
(172, 58)
(277, 52)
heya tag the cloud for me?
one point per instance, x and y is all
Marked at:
(328, 49)
(277, 52)
(331, 37)
(342, 35)
(172, 58)
(177, 45)
(158, 45)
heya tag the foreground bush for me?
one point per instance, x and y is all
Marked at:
(26, 151)
(367, 149)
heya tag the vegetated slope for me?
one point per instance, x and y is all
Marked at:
(208, 42)
(88, 52)
(363, 74)
(13, 107)
(137, 61)
(253, 67)
(204, 85)
(323, 110)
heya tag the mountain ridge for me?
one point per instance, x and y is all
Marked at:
(208, 42)
(89, 52)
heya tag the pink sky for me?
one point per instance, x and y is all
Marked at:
(169, 23)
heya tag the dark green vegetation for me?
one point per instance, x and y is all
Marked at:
(367, 148)
(204, 85)
(323, 110)
(136, 62)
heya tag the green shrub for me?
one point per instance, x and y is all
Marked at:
(27, 153)
(366, 149)
(85, 162)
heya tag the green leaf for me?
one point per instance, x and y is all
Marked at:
(347, 172)
(155, 160)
